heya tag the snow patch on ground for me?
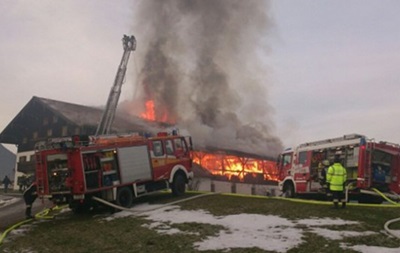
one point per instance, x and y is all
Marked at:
(7, 201)
(267, 232)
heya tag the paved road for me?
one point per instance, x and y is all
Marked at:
(12, 213)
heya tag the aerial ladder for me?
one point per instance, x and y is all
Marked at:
(107, 119)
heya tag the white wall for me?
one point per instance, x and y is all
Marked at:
(209, 185)
(18, 174)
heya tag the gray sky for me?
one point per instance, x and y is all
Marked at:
(332, 64)
(336, 69)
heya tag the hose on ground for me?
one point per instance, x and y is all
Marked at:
(45, 213)
(394, 233)
(148, 210)
(41, 215)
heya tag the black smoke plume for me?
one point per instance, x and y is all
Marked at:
(203, 63)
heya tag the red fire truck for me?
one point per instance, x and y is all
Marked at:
(370, 165)
(114, 168)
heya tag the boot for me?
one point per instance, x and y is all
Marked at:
(336, 205)
(28, 213)
(343, 204)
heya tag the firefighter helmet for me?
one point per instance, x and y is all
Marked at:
(337, 158)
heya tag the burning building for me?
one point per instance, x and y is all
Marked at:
(202, 68)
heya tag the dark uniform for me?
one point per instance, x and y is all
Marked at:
(30, 195)
(6, 182)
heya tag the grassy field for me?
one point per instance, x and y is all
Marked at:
(92, 233)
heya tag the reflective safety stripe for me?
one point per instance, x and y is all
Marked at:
(336, 177)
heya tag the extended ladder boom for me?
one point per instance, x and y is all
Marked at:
(129, 44)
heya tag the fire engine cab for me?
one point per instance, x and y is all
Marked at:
(370, 165)
(110, 167)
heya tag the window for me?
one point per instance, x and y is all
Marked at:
(32, 158)
(64, 131)
(179, 150)
(25, 140)
(55, 119)
(45, 121)
(35, 135)
(184, 147)
(169, 147)
(158, 148)
(303, 157)
(22, 159)
(287, 159)
(49, 132)
(77, 131)
(178, 144)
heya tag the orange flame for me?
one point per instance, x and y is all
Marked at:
(236, 167)
(149, 114)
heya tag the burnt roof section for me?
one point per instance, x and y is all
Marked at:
(87, 115)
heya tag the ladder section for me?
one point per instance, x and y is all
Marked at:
(332, 140)
(40, 174)
(107, 119)
(368, 170)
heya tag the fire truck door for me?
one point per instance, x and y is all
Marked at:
(134, 164)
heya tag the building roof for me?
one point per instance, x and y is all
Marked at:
(75, 114)
(78, 114)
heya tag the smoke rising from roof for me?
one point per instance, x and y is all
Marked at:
(201, 64)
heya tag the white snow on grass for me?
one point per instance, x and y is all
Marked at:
(267, 232)
(7, 201)
(371, 249)
(338, 234)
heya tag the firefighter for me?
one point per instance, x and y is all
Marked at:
(30, 195)
(325, 165)
(336, 178)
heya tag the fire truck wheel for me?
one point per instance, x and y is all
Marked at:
(124, 197)
(178, 186)
(80, 208)
(288, 190)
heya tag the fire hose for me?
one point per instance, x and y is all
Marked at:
(394, 233)
(41, 215)
(393, 204)
(158, 207)
(44, 214)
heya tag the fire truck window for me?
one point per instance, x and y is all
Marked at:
(287, 159)
(303, 157)
(178, 144)
(157, 148)
(184, 147)
(169, 147)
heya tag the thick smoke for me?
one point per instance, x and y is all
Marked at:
(202, 62)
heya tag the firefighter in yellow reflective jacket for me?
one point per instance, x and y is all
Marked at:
(336, 178)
